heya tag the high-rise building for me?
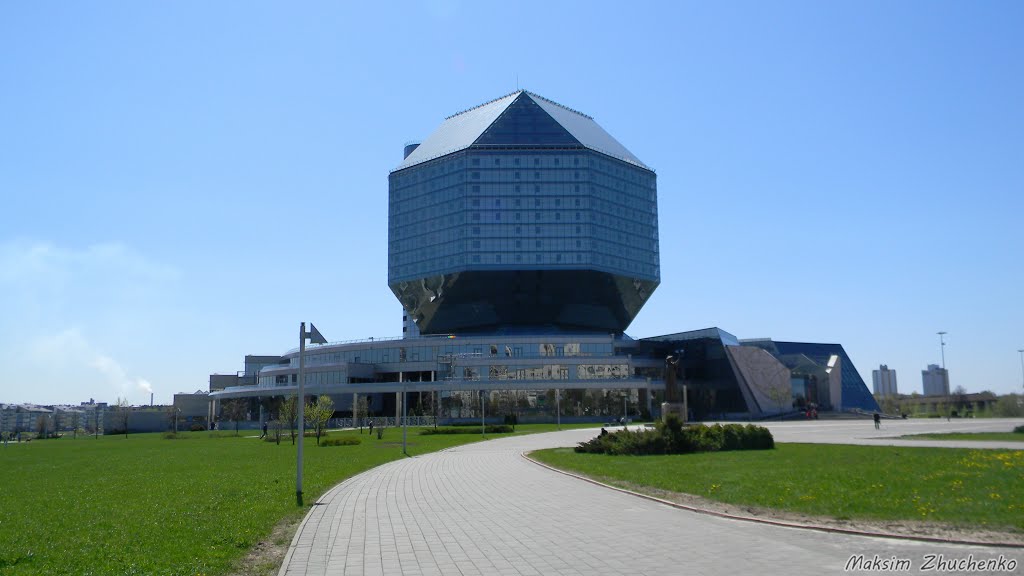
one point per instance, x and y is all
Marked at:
(935, 381)
(522, 213)
(884, 381)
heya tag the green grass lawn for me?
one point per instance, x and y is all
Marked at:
(1001, 436)
(980, 488)
(149, 505)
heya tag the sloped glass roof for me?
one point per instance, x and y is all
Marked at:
(588, 132)
(524, 123)
(458, 132)
(521, 118)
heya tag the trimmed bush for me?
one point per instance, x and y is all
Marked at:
(671, 437)
(1019, 430)
(343, 441)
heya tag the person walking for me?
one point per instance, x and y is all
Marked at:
(878, 421)
(264, 435)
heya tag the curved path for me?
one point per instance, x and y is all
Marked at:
(484, 509)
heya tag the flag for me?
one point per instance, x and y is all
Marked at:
(315, 337)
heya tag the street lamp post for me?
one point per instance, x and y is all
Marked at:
(314, 337)
(1021, 351)
(942, 346)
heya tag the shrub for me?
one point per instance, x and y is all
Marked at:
(671, 437)
(197, 428)
(343, 441)
(1019, 430)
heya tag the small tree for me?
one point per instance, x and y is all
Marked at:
(290, 414)
(123, 411)
(41, 426)
(277, 424)
(360, 412)
(780, 396)
(172, 418)
(236, 410)
(319, 413)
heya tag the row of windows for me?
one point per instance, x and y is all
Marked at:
(450, 240)
(512, 261)
(456, 162)
(509, 223)
(455, 195)
(411, 352)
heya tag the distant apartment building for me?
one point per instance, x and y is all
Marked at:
(935, 381)
(884, 381)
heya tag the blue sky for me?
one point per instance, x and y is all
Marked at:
(183, 183)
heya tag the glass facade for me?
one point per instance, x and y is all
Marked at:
(525, 196)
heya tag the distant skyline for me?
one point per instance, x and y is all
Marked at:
(184, 183)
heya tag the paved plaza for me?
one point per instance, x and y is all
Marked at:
(483, 509)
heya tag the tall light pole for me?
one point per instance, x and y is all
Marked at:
(1021, 365)
(314, 337)
(942, 346)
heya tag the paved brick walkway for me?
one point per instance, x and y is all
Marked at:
(482, 509)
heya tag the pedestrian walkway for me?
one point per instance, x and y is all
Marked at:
(482, 509)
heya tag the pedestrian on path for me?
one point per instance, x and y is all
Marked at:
(264, 435)
(878, 421)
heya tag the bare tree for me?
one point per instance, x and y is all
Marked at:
(779, 396)
(236, 410)
(290, 414)
(124, 410)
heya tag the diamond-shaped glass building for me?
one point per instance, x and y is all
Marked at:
(522, 213)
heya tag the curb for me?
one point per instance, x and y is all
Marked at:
(779, 523)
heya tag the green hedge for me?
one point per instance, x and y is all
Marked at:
(343, 441)
(1019, 430)
(490, 429)
(671, 437)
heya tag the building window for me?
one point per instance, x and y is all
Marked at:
(517, 175)
(476, 244)
(476, 202)
(536, 175)
(497, 216)
(476, 215)
(558, 215)
(516, 161)
(476, 189)
(537, 243)
(475, 176)
(518, 215)
(476, 162)
(497, 161)
(476, 230)
(476, 258)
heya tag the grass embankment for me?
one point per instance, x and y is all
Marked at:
(990, 436)
(979, 488)
(149, 505)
